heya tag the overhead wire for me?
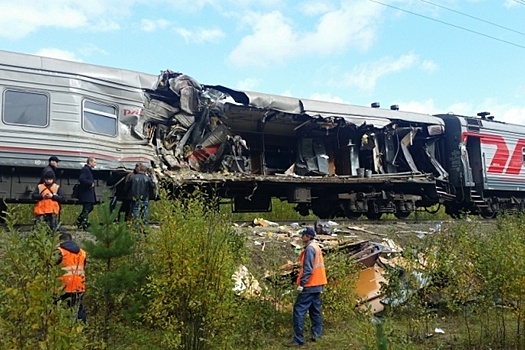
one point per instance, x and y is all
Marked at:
(520, 2)
(474, 17)
(450, 24)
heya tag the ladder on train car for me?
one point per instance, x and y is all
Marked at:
(477, 199)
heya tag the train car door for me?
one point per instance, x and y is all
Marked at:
(472, 162)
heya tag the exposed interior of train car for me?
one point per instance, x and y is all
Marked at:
(333, 159)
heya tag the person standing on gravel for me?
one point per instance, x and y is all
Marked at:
(139, 187)
(86, 192)
(48, 195)
(310, 285)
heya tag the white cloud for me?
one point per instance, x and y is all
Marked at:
(151, 25)
(354, 24)
(511, 3)
(91, 49)
(429, 66)
(248, 84)
(272, 41)
(520, 91)
(200, 35)
(319, 96)
(501, 111)
(365, 77)
(209, 35)
(426, 106)
(315, 7)
(19, 19)
(461, 108)
(57, 53)
(514, 114)
(274, 38)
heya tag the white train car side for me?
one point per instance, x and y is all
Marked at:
(71, 110)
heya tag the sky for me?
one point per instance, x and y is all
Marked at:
(431, 56)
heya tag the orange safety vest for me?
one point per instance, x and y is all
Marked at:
(318, 277)
(47, 205)
(73, 281)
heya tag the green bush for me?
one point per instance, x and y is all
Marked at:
(116, 273)
(30, 317)
(192, 257)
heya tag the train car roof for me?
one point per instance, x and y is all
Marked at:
(358, 115)
(485, 123)
(114, 75)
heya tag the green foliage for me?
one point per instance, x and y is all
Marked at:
(266, 315)
(470, 274)
(466, 279)
(116, 273)
(192, 257)
(29, 316)
(340, 298)
(281, 210)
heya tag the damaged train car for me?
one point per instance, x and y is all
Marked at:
(329, 159)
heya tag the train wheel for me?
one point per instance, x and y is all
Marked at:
(373, 215)
(402, 214)
(302, 209)
(488, 214)
(352, 215)
(324, 209)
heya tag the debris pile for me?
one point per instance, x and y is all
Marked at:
(356, 242)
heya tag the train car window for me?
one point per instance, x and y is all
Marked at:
(99, 118)
(25, 108)
(523, 156)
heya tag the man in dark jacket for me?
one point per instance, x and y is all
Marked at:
(51, 167)
(86, 192)
(140, 186)
(125, 208)
(48, 196)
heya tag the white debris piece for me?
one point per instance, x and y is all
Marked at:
(245, 283)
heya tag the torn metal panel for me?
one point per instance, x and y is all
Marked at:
(351, 114)
(430, 152)
(275, 102)
(263, 101)
(360, 115)
(406, 142)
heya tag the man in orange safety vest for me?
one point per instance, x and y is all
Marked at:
(72, 260)
(310, 285)
(48, 196)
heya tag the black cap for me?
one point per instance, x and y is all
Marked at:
(49, 175)
(55, 158)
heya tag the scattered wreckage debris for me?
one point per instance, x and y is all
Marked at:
(373, 257)
(246, 284)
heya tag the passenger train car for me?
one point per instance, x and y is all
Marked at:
(70, 110)
(327, 158)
